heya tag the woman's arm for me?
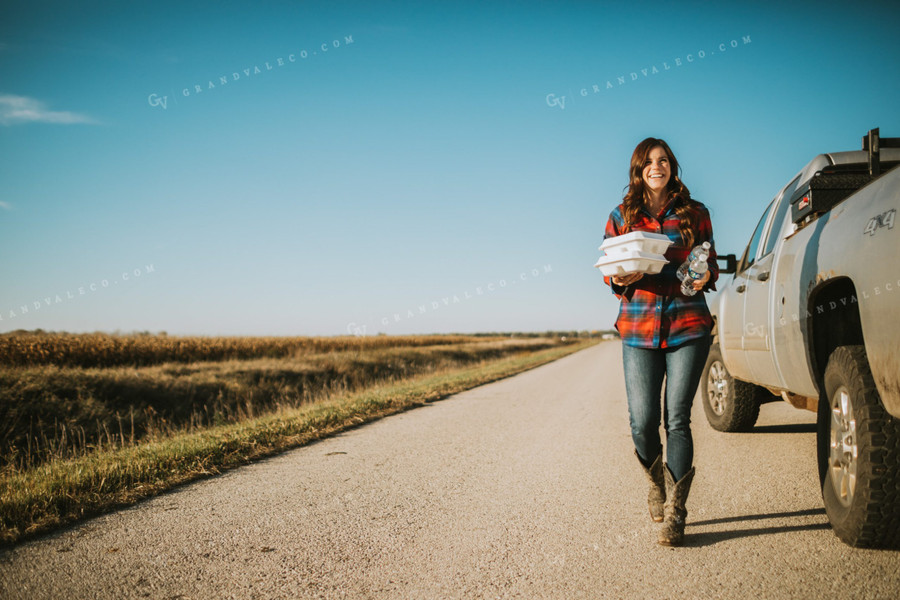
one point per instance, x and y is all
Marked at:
(614, 228)
(705, 234)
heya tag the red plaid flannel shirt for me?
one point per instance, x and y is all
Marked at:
(653, 313)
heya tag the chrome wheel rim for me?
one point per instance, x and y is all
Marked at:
(843, 452)
(717, 388)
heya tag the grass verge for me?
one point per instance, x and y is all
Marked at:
(64, 491)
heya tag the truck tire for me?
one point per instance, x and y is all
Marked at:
(730, 404)
(859, 454)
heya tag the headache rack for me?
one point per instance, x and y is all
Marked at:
(834, 183)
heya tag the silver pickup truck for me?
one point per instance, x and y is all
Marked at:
(811, 316)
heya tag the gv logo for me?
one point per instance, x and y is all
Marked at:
(354, 329)
(552, 101)
(155, 100)
(752, 330)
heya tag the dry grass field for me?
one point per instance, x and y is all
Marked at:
(92, 422)
(67, 395)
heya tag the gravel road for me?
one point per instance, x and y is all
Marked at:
(525, 487)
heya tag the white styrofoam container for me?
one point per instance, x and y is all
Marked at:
(636, 241)
(624, 263)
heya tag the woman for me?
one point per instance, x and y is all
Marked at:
(665, 334)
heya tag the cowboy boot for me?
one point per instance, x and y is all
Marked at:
(672, 532)
(657, 496)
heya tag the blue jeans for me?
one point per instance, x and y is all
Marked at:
(645, 369)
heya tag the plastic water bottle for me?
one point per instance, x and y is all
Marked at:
(697, 252)
(696, 270)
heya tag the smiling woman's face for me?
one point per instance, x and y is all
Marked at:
(656, 171)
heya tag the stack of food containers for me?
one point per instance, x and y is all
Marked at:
(635, 252)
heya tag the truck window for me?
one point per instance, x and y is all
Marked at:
(750, 253)
(783, 202)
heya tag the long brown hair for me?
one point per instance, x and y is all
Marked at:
(685, 207)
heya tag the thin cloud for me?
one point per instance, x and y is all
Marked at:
(21, 109)
(5, 205)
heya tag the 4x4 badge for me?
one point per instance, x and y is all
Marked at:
(883, 220)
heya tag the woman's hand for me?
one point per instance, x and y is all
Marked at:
(626, 279)
(699, 283)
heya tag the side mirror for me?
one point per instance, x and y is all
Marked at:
(730, 263)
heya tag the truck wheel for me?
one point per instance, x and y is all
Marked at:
(730, 404)
(859, 454)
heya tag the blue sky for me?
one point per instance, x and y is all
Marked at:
(393, 167)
